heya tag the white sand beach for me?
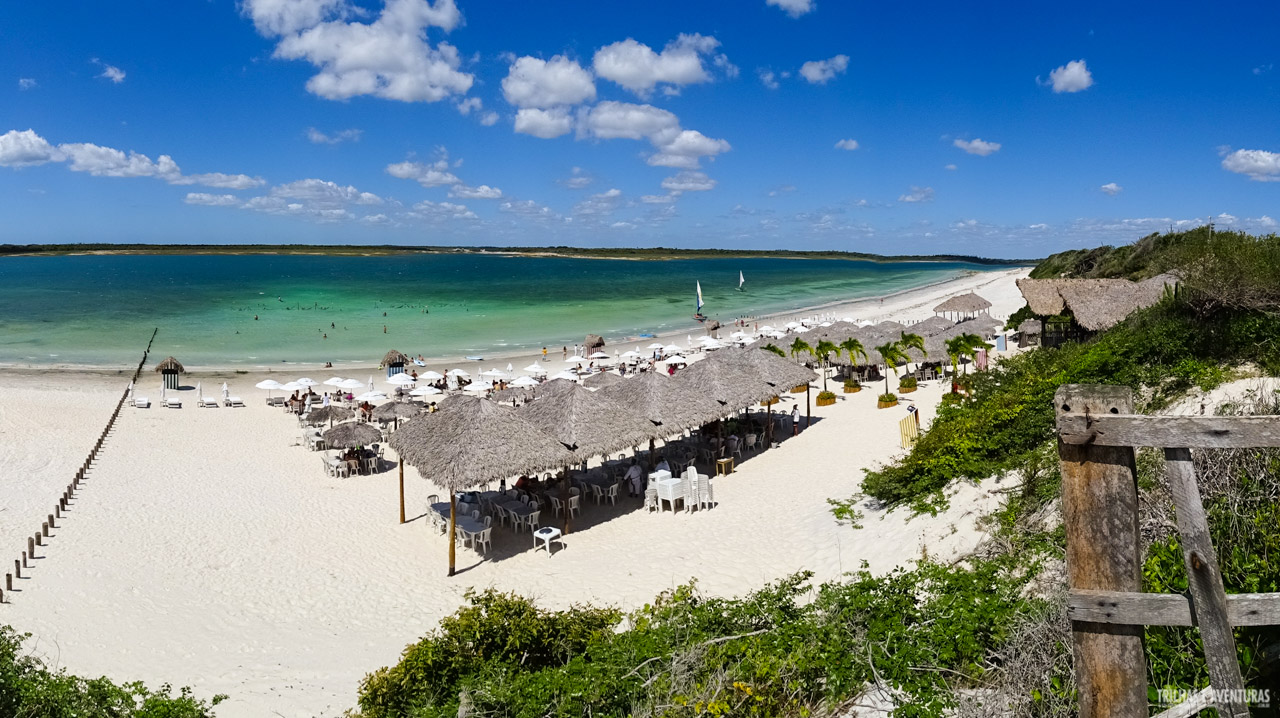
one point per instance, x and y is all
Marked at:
(207, 549)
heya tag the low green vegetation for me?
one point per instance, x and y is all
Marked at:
(30, 689)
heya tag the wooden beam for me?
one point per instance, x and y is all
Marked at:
(1194, 432)
(1167, 609)
(1208, 599)
(1100, 514)
(1190, 707)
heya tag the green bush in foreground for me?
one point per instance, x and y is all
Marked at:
(28, 689)
(772, 653)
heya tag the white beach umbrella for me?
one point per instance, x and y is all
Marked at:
(566, 375)
(226, 391)
(199, 392)
(793, 325)
(425, 391)
(825, 324)
(676, 359)
(306, 381)
(401, 380)
(847, 319)
(509, 369)
(430, 376)
(492, 373)
(708, 340)
(766, 329)
(672, 349)
(478, 386)
(269, 384)
(525, 381)
(351, 384)
(599, 355)
(293, 386)
(371, 396)
(334, 381)
(631, 354)
(456, 373)
(535, 369)
(370, 384)
(655, 345)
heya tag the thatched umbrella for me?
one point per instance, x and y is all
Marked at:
(351, 434)
(328, 414)
(732, 385)
(589, 425)
(601, 379)
(395, 360)
(591, 343)
(395, 410)
(932, 325)
(471, 441)
(658, 398)
(963, 305)
(773, 369)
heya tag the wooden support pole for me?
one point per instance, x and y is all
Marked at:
(38, 542)
(8, 582)
(17, 566)
(453, 530)
(400, 461)
(51, 524)
(1209, 600)
(1100, 514)
(31, 547)
(44, 530)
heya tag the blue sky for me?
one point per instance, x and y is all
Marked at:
(984, 129)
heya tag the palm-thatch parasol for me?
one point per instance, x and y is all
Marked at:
(351, 434)
(601, 379)
(396, 410)
(170, 365)
(658, 398)
(730, 384)
(394, 357)
(773, 369)
(471, 441)
(328, 414)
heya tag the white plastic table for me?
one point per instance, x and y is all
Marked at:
(546, 535)
(669, 490)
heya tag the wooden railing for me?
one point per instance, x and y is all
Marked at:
(1098, 433)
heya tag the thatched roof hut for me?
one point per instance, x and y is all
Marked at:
(327, 414)
(593, 342)
(932, 325)
(770, 367)
(1095, 304)
(601, 379)
(589, 424)
(1030, 327)
(733, 385)
(394, 361)
(396, 410)
(471, 441)
(170, 366)
(963, 305)
(658, 398)
(351, 434)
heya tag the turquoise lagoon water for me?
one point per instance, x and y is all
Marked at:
(100, 310)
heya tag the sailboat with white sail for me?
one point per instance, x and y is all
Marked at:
(698, 314)
(741, 280)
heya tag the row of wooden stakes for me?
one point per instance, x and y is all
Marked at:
(38, 538)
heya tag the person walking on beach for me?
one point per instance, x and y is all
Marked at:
(565, 349)
(795, 420)
(544, 354)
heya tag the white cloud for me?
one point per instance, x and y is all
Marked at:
(113, 73)
(389, 58)
(1071, 77)
(220, 180)
(528, 209)
(1266, 221)
(949, 167)
(469, 104)
(438, 211)
(323, 193)
(638, 68)
(1261, 69)
(579, 179)
(599, 205)
(1112, 188)
(376, 219)
(794, 8)
(1259, 165)
(484, 191)
(1038, 226)
(543, 123)
(531, 82)
(489, 119)
(688, 182)
(26, 149)
(818, 72)
(917, 194)
(432, 174)
(109, 162)
(658, 198)
(781, 190)
(847, 145)
(768, 78)
(26, 83)
(212, 200)
(685, 149)
(978, 147)
(320, 138)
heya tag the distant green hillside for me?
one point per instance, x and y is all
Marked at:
(653, 253)
(1149, 256)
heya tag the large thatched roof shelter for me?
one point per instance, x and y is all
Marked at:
(351, 434)
(601, 379)
(732, 385)
(394, 361)
(932, 325)
(1030, 327)
(328, 414)
(588, 423)
(963, 305)
(659, 399)
(1095, 304)
(770, 367)
(393, 410)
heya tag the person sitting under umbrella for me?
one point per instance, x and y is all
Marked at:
(662, 464)
(366, 411)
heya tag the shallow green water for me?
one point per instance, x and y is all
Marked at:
(100, 310)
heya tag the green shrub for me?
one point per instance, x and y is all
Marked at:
(907, 382)
(29, 689)
(852, 383)
(826, 395)
(888, 398)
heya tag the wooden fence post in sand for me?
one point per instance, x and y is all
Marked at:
(17, 567)
(1100, 514)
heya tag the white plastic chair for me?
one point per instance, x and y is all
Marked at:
(598, 493)
(482, 541)
(575, 505)
(532, 521)
(612, 494)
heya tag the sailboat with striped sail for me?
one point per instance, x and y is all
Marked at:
(698, 315)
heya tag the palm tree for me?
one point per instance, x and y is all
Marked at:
(854, 349)
(891, 353)
(972, 343)
(910, 341)
(823, 350)
(800, 345)
(955, 348)
(775, 349)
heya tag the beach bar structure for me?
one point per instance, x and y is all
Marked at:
(394, 361)
(170, 369)
(963, 306)
(1076, 309)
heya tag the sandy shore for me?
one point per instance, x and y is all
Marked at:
(207, 549)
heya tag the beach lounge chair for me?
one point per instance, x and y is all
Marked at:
(142, 402)
(207, 401)
(170, 403)
(233, 401)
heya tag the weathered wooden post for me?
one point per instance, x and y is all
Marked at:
(1100, 514)
(453, 528)
(401, 463)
